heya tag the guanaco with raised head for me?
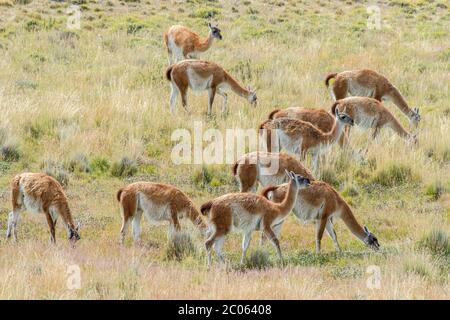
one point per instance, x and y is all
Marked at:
(299, 137)
(40, 193)
(320, 203)
(183, 43)
(158, 202)
(200, 76)
(370, 113)
(248, 212)
(319, 118)
(369, 83)
(266, 168)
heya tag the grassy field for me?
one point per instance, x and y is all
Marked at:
(90, 107)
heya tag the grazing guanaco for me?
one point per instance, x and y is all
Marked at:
(204, 75)
(299, 137)
(369, 83)
(159, 202)
(40, 193)
(257, 166)
(319, 118)
(248, 212)
(370, 113)
(320, 203)
(182, 43)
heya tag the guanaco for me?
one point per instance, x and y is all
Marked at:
(369, 83)
(319, 118)
(370, 113)
(204, 75)
(320, 203)
(299, 137)
(266, 168)
(40, 193)
(159, 202)
(248, 212)
(182, 43)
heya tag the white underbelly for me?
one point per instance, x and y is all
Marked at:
(266, 180)
(198, 83)
(32, 205)
(365, 121)
(356, 90)
(243, 221)
(154, 212)
(287, 143)
(306, 213)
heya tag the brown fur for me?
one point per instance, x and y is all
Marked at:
(48, 197)
(363, 108)
(188, 40)
(252, 210)
(324, 200)
(136, 196)
(246, 169)
(378, 86)
(319, 118)
(179, 76)
(298, 130)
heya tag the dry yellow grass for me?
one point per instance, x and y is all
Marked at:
(102, 94)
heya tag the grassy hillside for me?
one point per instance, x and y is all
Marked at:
(90, 107)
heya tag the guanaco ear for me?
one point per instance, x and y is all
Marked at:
(289, 174)
(77, 228)
(209, 25)
(366, 230)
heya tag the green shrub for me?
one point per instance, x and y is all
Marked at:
(329, 176)
(79, 163)
(206, 13)
(100, 165)
(418, 268)
(180, 245)
(259, 259)
(434, 191)
(10, 153)
(393, 175)
(437, 242)
(124, 168)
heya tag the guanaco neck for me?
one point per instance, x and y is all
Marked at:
(289, 200)
(205, 44)
(350, 221)
(400, 102)
(196, 219)
(335, 132)
(235, 86)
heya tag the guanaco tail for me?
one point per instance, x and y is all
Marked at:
(182, 43)
(266, 168)
(248, 212)
(40, 193)
(320, 203)
(200, 76)
(158, 202)
(369, 83)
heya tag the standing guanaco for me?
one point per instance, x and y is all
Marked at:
(369, 83)
(248, 212)
(159, 202)
(40, 193)
(204, 75)
(319, 118)
(299, 137)
(182, 43)
(319, 202)
(266, 168)
(370, 113)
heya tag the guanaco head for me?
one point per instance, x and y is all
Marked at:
(300, 181)
(371, 240)
(73, 233)
(215, 31)
(252, 98)
(414, 116)
(343, 117)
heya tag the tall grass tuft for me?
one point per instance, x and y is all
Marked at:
(437, 242)
(179, 246)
